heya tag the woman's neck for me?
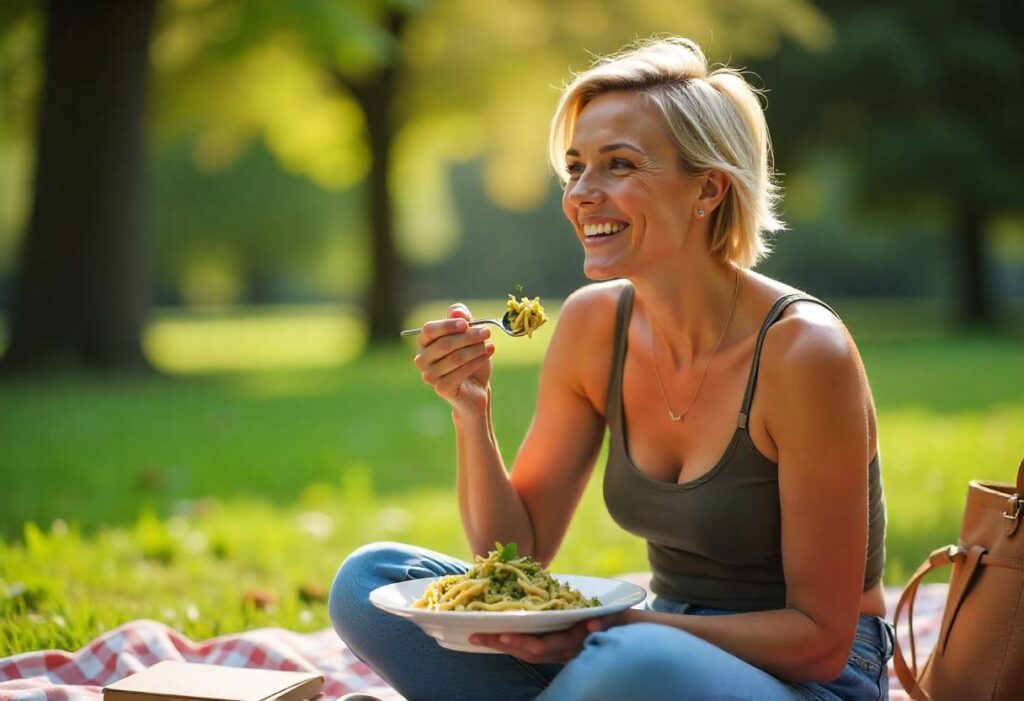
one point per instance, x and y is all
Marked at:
(689, 308)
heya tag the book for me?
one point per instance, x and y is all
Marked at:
(188, 681)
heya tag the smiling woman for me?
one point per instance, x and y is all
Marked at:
(742, 431)
(714, 123)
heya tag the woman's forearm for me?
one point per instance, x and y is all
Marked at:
(491, 509)
(784, 642)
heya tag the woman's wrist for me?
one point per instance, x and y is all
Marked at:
(622, 618)
(469, 415)
(467, 418)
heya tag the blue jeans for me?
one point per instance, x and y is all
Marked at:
(638, 662)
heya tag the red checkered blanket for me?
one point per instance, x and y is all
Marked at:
(54, 675)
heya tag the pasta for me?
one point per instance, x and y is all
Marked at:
(526, 315)
(502, 582)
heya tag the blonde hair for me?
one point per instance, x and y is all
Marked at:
(715, 121)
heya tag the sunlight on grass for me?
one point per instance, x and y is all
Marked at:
(928, 459)
(271, 339)
(277, 449)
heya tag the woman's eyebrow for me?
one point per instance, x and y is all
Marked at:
(609, 147)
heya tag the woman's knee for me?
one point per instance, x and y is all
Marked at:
(360, 573)
(640, 660)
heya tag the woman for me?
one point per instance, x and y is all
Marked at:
(743, 441)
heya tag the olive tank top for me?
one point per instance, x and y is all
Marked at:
(716, 540)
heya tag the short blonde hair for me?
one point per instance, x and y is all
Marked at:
(715, 120)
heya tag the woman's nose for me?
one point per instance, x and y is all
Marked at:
(584, 190)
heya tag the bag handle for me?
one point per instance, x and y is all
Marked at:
(942, 557)
(907, 676)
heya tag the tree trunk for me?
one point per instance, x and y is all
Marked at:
(375, 95)
(79, 298)
(974, 306)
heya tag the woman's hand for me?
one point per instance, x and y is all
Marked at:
(455, 359)
(557, 648)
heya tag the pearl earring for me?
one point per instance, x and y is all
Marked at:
(700, 213)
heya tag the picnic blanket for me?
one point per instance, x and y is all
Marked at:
(55, 675)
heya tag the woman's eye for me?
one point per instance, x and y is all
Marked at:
(619, 164)
(573, 170)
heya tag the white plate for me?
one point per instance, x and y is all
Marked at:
(453, 628)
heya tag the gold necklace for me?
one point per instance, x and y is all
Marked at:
(671, 414)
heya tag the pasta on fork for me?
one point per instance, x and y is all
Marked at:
(525, 315)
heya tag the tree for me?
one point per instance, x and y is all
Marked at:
(351, 48)
(440, 82)
(79, 296)
(375, 91)
(380, 94)
(923, 99)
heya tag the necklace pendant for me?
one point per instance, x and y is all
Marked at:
(675, 417)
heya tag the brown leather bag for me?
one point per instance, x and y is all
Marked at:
(979, 655)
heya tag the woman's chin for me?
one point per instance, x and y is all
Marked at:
(598, 270)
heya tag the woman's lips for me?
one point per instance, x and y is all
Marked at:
(598, 239)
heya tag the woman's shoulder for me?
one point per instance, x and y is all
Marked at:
(810, 347)
(806, 336)
(804, 324)
(811, 370)
(582, 347)
(593, 304)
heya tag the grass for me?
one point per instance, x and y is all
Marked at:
(224, 496)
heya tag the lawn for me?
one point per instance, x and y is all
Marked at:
(224, 495)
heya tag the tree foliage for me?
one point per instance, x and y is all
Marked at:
(925, 99)
(384, 97)
(470, 80)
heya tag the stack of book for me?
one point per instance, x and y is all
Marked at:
(185, 681)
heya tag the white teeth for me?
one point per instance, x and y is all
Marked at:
(602, 229)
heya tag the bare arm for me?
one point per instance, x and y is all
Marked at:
(490, 508)
(531, 506)
(561, 446)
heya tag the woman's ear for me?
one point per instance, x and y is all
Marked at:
(716, 184)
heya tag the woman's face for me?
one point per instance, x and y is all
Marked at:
(628, 200)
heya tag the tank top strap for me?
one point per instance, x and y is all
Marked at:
(773, 315)
(625, 309)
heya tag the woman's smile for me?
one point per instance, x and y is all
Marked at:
(599, 231)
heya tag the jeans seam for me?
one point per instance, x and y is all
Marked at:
(873, 643)
(863, 662)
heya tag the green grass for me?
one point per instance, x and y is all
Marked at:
(252, 469)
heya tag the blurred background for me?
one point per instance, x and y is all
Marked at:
(215, 216)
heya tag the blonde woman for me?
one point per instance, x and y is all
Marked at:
(743, 444)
